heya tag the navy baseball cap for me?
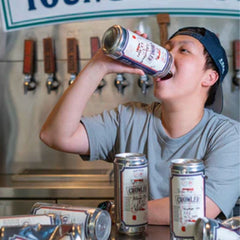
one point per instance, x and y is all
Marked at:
(214, 48)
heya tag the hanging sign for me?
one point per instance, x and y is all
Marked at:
(17, 14)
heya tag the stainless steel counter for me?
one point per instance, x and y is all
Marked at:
(10, 188)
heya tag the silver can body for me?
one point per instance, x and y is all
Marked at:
(187, 196)
(212, 229)
(131, 192)
(130, 48)
(95, 222)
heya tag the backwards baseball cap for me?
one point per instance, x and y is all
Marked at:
(214, 48)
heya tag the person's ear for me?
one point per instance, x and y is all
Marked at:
(210, 78)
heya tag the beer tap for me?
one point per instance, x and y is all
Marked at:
(95, 45)
(28, 66)
(72, 59)
(120, 83)
(144, 83)
(50, 65)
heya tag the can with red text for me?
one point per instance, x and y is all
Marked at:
(130, 48)
(187, 196)
(131, 192)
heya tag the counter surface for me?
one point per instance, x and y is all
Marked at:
(153, 233)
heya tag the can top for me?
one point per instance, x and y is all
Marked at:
(130, 158)
(111, 39)
(100, 224)
(185, 165)
(202, 229)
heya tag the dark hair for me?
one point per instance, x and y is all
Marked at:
(210, 65)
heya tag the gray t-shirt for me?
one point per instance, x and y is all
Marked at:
(137, 127)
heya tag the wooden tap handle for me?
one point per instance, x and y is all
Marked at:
(236, 55)
(28, 61)
(49, 58)
(95, 45)
(163, 20)
(72, 56)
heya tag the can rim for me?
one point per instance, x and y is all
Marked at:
(181, 161)
(129, 155)
(117, 29)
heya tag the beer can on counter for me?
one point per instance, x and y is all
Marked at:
(212, 229)
(130, 48)
(21, 220)
(42, 232)
(187, 196)
(131, 192)
(95, 221)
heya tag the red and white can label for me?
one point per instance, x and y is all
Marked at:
(68, 216)
(145, 54)
(134, 196)
(187, 203)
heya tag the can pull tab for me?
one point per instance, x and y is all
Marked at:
(95, 45)
(72, 59)
(49, 64)
(28, 66)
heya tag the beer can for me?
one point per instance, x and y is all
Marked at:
(187, 196)
(42, 232)
(95, 221)
(21, 220)
(131, 49)
(212, 229)
(131, 192)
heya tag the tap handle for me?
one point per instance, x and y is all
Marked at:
(72, 58)
(236, 62)
(49, 56)
(95, 45)
(28, 57)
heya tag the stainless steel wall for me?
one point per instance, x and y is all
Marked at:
(21, 116)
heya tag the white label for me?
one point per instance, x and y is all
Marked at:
(68, 216)
(187, 203)
(134, 195)
(223, 233)
(25, 220)
(145, 52)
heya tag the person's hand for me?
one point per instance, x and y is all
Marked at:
(144, 35)
(109, 65)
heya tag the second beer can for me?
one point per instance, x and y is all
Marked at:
(187, 196)
(131, 192)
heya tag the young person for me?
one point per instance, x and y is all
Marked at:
(181, 126)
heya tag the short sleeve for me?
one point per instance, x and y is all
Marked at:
(223, 167)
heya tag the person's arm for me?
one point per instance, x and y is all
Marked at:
(159, 211)
(62, 129)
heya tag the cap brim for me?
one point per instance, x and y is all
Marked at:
(217, 106)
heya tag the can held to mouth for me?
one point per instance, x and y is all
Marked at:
(130, 48)
(212, 229)
(187, 196)
(131, 192)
